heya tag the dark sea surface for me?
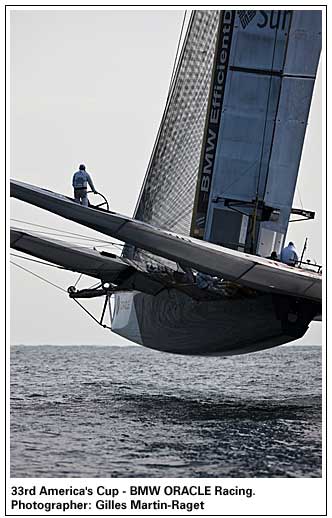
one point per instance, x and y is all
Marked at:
(132, 412)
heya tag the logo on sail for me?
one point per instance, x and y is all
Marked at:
(266, 19)
(210, 140)
(246, 17)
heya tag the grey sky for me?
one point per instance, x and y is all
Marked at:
(90, 86)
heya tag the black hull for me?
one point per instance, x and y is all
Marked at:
(173, 322)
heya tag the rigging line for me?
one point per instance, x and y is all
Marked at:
(36, 261)
(177, 53)
(117, 246)
(278, 102)
(239, 177)
(39, 276)
(298, 192)
(93, 240)
(91, 315)
(94, 285)
(78, 280)
(266, 114)
(78, 239)
(254, 216)
(61, 231)
(54, 266)
(108, 246)
(86, 244)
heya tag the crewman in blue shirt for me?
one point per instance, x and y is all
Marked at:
(80, 181)
(289, 255)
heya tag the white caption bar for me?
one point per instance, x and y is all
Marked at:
(165, 497)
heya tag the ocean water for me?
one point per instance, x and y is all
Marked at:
(132, 412)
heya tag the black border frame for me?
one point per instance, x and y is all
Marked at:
(324, 7)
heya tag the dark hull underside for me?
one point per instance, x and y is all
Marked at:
(173, 322)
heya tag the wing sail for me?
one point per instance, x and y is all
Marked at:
(261, 93)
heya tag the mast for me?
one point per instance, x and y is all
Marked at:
(226, 158)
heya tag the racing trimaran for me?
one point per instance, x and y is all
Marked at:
(194, 277)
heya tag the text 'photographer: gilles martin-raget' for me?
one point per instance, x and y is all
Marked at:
(135, 497)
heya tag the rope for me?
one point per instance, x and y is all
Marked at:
(94, 285)
(239, 177)
(254, 219)
(38, 276)
(64, 233)
(78, 239)
(78, 280)
(108, 243)
(36, 261)
(177, 53)
(59, 288)
(266, 114)
(91, 315)
(298, 192)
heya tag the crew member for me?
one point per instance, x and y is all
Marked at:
(273, 256)
(80, 180)
(289, 255)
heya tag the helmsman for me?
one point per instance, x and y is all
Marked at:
(81, 179)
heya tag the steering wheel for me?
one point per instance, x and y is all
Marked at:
(105, 202)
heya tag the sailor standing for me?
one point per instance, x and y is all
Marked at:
(80, 181)
(289, 255)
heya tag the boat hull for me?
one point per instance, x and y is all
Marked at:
(175, 323)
